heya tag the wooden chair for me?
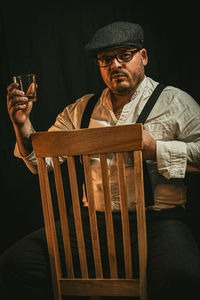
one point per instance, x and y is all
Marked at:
(84, 142)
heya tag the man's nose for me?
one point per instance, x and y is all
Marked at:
(115, 63)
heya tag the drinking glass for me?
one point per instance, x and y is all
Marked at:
(27, 84)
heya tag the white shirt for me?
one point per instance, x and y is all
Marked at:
(174, 123)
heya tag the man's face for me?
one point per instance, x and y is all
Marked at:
(123, 78)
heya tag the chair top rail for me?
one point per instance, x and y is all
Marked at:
(88, 141)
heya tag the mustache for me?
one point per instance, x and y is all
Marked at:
(118, 72)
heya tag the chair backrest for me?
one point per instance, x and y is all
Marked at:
(84, 143)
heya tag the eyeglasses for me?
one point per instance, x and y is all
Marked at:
(122, 57)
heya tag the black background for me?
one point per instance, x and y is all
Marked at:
(47, 38)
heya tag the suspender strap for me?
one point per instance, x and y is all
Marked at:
(148, 192)
(150, 103)
(141, 119)
(88, 111)
(84, 124)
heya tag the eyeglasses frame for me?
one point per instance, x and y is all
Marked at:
(115, 56)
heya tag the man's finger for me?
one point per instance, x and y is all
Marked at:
(12, 86)
(15, 92)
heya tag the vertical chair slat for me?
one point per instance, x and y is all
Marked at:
(109, 218)
(141, 222)
(63, 218)
(50, 227)
(92, 215)
(125, 215)
(77, 216)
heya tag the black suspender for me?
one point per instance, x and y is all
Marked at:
(141, 119)
(148, 192)
(88, 110)
(150, 103)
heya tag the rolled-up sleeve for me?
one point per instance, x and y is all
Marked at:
(171, 158)
(183, 148)
(31, 160)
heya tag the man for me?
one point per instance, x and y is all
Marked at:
(171, 145)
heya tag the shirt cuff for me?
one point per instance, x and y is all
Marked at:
(171, 158)
(30, 160)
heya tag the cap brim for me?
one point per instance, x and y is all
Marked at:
(94, 51)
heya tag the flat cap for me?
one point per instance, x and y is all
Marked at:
(115, 35)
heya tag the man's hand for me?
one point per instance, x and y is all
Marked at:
(149, 151)
(19, 107)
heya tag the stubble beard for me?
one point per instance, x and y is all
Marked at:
(122, 88)
(128, 85)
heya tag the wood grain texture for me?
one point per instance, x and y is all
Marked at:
(108, 217)
(93, 219)
(125, 215)
(50, 228)
(77, 216)
(115, 139)
(84, 141)
(141, 222)
(63, 218)
(97, 287)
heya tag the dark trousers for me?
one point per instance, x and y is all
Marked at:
(173, 259)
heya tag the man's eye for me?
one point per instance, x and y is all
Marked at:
(106, 59)
(124, 56)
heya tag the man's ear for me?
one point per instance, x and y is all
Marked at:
(144, 56)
